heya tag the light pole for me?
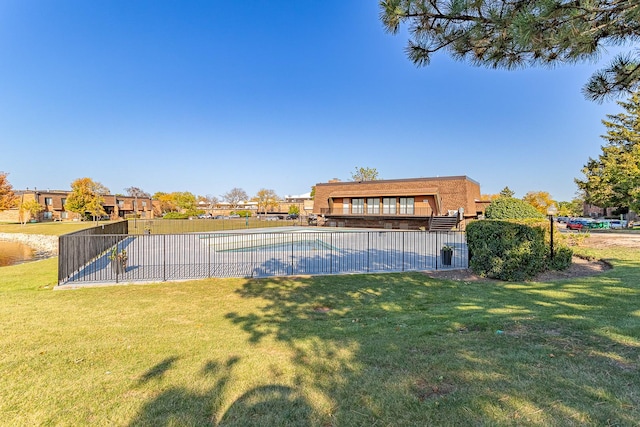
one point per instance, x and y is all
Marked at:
(551, 211)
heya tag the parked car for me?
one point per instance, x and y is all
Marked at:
(617, 224)
(578, 224)
(562, 219)
(292, 216)
(271, 218)
(234, 216)
(599, 223)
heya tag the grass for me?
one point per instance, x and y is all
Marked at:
(158, 226)
(356, 350)
(47, 228)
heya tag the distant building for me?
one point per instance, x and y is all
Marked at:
(439, 203)
(53, 203)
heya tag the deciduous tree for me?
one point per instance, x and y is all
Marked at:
(521, 33)
(266, 199)
(167, 203)
(572, 208)
(8, 198)
(613, 179)
(364, 174)
(86, 197)
(294, 210)
(210, 201)
(234, 197)
(29, 209)
(540, 200)
(137, 192)
(185, 201)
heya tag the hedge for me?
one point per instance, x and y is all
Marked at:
(511, 251)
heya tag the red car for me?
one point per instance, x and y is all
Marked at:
(577, 224)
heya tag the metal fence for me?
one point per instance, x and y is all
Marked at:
(178, 226)
(260, 254)
(76, 250)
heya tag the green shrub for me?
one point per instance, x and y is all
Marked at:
(511, 208)
(243, 214)
(506, 250)
(562, 256)
(515, 250)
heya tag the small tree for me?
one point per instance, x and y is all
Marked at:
(167, 202)
(234, 197)
(572, 208)
(8, 198)
(507, 192)
(364, 174)
(266, 199)
(86, 197)
(541, 200)
(211, 201)
(186, 201)
(137, 192)
(294, 210)
(29, 209)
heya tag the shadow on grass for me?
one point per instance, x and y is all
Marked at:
(405, 349)
(158, 370)
(261, 406)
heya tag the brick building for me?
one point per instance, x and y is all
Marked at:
(53, 204)
(430, 203)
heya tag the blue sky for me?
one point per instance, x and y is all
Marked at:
(205, 96)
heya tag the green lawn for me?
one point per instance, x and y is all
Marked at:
(356, 350)
(47, 228)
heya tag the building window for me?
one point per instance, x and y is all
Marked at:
(48, 215)
(144, 204)
(406, 205)
(389, 205)
(64, 215)
(48, 201)
(357, 206)
(373, 205)
(64, 201)
(121, 204)
(345, 206)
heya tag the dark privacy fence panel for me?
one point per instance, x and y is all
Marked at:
(76, 250)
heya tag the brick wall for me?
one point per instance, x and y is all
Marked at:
(453, 192)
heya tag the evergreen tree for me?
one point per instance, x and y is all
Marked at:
(613, 179)
(507, 192)
(520, 33)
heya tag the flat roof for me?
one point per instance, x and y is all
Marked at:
(435, 178)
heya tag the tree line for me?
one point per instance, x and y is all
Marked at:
(87, 198)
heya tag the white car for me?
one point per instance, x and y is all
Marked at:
(617, 224)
